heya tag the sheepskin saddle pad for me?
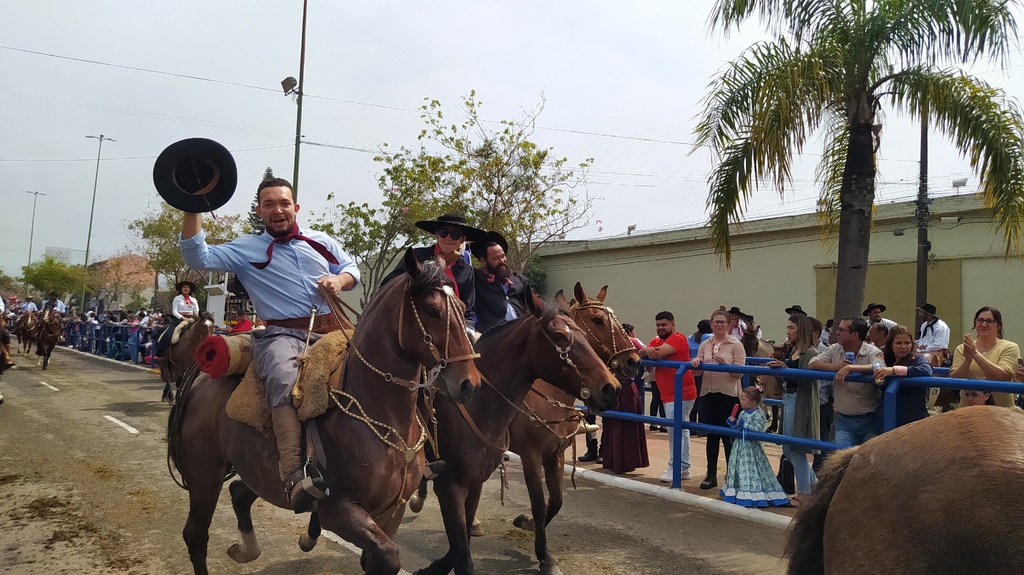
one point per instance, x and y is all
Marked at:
(311, 395)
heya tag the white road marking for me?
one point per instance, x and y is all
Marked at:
(48, 385)
(329, 535)
(122, 424)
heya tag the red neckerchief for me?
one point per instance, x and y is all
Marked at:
(188, 300)
(448, 270)
(295, 235)
(491, 278)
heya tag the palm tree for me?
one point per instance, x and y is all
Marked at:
(833, 65)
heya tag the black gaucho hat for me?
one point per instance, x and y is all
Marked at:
(179, 285)
(871, 306)
(448, 220)
(479, 247)
(195, 175)
(796, 309)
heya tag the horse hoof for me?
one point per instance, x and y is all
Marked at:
(550, 568)
(524, 522)
(236, 553)
(477, 528)
(306, 543)
(415, 503)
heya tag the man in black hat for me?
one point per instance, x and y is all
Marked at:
(934, 331)
(450, 231)
(501, 293)
(874, 315)
(283, 270)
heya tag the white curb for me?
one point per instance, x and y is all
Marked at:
(713, 505)
(101, 358)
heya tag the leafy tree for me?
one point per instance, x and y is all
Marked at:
(124, 272)
(254, 223)
(500, 180)
(137, 302)
(156, 237)
(833, 66)
(534, 272)
(8, 285)
(51, 274)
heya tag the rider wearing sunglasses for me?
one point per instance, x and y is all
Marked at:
(450, 231)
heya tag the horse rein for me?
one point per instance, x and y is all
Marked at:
(613, 323)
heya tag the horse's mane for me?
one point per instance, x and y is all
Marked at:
(550, 311)
(431, 277)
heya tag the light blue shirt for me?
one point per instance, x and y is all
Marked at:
(29, 306)
(287, 287)
(57, 306)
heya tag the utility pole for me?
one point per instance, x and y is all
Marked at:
(921, 216)
(298, 116)
(92, 210)
(32, 230)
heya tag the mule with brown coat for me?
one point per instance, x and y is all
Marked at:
(938, 496)
(373, 463)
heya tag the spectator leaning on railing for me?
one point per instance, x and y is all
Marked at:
(855, 402)
(901, 359)
(988, 357)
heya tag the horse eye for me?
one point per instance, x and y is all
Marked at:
(599, 320)
(433, 312)
(559, 336)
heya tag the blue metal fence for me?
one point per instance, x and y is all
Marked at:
(115, 341)
(678, 424)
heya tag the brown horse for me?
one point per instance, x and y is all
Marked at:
(541, 447)
(26, 329)
(50, 329)
(940, 495)
(373, 462)
(544, 344)
(181, 355)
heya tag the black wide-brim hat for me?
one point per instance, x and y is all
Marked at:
(472, 234)
(479, 248)
(795, 309)
(871, 306)
(927, 308)
(192, 286)
(735, 310)
(195, 175)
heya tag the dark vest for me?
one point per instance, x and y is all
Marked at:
(464, 278)
(491, 298)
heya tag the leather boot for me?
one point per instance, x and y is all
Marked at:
(288, 430)
(591, 454)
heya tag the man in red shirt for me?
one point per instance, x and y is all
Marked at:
(671, 345)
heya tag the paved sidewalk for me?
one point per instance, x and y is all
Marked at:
(657, 449)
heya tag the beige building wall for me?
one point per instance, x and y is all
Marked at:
(781, 261)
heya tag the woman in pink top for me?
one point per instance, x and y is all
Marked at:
(719, 391)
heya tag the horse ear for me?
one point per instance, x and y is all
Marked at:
(602, 294)
(536, 305)
(578, 292)
(412, 265)
(560, 300)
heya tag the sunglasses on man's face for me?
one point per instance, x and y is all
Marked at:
(454, 233)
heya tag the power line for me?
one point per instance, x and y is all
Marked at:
(129, 157)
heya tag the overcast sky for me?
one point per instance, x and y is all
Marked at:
(622, 83)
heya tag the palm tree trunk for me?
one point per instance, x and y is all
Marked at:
(857, 197)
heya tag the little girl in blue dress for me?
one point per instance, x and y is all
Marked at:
(750, 481)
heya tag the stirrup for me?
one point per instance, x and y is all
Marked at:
(314, 485)
(434, 468)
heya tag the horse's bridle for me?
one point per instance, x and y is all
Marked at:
(429, 378)
(563, 354)
(613, 325)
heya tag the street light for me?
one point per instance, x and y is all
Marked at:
(92, 210)
(291, 86)
(32, 232)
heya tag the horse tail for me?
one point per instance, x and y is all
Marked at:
(174, 422)
(806, 536)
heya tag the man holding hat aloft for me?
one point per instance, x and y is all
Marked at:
(283, 270)
(874, 315)
(450, 231)
(934, 331)
(501, 293)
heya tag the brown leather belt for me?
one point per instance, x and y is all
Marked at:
(322, 324)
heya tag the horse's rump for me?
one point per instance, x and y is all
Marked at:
(248, 403)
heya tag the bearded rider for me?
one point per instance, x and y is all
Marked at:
(282, 270)
(501, 293)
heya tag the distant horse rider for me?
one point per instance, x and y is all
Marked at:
(282, 269)
(28, 305)
(184, 307)
(450, 231)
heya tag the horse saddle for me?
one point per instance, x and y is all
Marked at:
(319, 369)
(180, 327)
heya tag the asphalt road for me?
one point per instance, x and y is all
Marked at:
(84, 488)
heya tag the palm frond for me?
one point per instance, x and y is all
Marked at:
(730, 189)
(829, 172)
(987, 128)
(796, 18)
